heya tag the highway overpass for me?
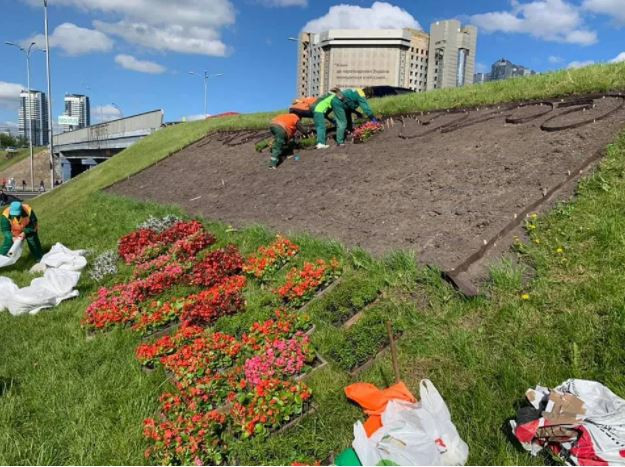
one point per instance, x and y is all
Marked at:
(99, 142)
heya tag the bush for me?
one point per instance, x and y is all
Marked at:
(348, 298)
(366, 338)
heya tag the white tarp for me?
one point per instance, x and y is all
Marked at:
(62, 272)
(12, 255)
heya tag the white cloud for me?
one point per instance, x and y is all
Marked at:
(554, 60)
(580, 64)
(381, 15)
(10, 95)
(614, 8)
(105, 113)
(619, 58)
(143, 66)
(173, 38)
(186, 26)
(284, 3)
(550, 20)
(74, 40)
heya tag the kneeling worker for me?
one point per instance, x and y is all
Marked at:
(19, 221)
(283, 128)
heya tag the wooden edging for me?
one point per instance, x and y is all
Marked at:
(359, 314)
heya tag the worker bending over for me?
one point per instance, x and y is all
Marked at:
(19, 221)
(346, 103)
(283, 128)
(343, 104)
(303, 107)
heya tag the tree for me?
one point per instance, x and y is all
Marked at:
(6, 140)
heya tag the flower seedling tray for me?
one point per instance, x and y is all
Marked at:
(359, 314)
(321, 292)
(366, 365)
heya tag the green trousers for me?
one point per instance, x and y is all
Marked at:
(343, 117)
(34, 245)
(280, 143)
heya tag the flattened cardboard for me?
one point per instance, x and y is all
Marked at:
(564, 409)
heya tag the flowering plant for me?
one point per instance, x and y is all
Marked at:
(149, 354)
(225, 298)
(280, 357)
(301, 284)
(366, 131)
(267, 405)
(215, 266)
(269, 259)
(186, 439)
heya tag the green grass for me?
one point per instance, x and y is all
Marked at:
(64, 399)
(18, 156)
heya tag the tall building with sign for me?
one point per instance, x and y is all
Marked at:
(393, 57)
(77, 112)
(34, 109)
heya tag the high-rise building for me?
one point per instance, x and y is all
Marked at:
(77, 105)
(392, 57)
(481, 78)
(505, 69)
(452, 54)
(34, 109)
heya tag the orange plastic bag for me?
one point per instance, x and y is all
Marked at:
(374, 400)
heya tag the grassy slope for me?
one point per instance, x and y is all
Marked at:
(68, 400)
(19, 156)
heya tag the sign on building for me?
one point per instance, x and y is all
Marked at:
(68, 120)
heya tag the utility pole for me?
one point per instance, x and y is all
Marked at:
(50, 136)
(28, 114)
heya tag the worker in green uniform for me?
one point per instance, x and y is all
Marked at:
(321, 109)
(19, 221)
(343, 104)
(346, 103)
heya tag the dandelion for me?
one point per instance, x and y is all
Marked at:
(560, 250)
(525, 296)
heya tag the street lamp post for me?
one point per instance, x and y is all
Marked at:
(205, 77)
(121, 114)
(50, 136)
(28, 114)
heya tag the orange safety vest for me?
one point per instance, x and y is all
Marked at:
(305, 103)
(288, 122)
(19, 224)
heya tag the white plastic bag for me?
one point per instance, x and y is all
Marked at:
(413, 434)
(13, 254)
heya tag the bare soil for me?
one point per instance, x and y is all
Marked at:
(438, 184)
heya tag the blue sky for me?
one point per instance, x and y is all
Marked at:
(136, 54)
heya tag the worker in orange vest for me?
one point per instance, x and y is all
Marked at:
(283, 128)
(19, 221)
(302, 107)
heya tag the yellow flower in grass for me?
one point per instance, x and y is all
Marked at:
(559, 250)
(525, 296)
(534, 215)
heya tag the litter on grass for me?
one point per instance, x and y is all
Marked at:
(581, 421)
(61, 271)
(409, 432)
